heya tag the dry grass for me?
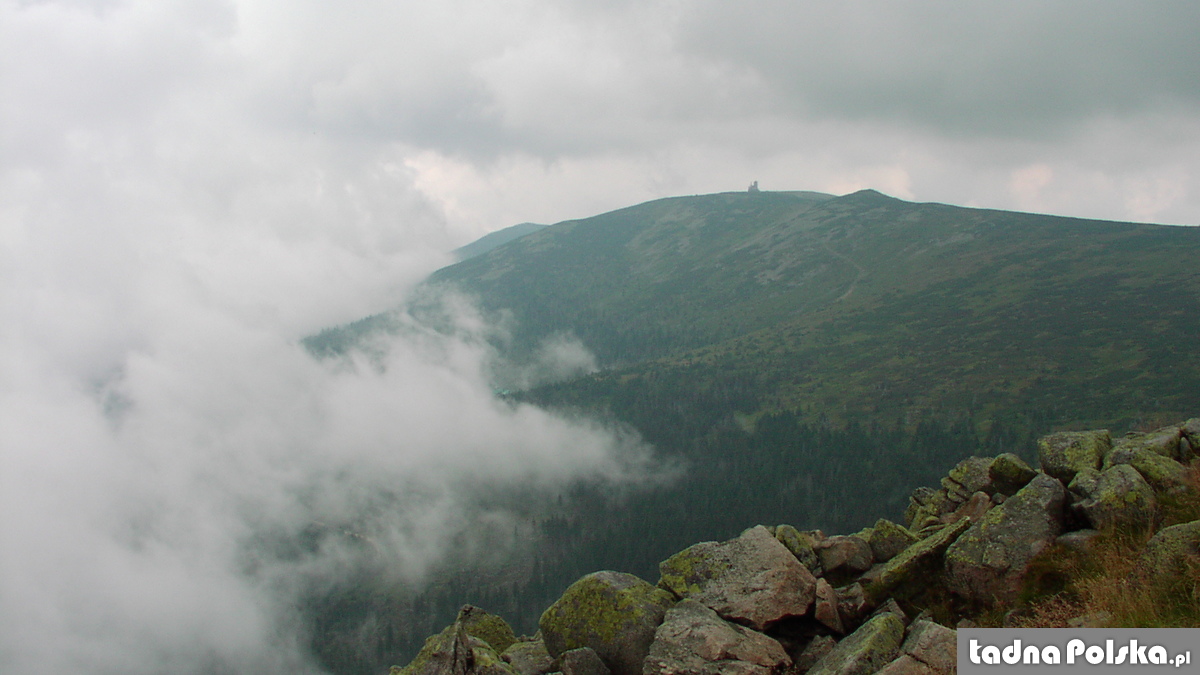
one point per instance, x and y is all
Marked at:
(1101, 584)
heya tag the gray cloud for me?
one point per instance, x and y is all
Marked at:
(1017, 69)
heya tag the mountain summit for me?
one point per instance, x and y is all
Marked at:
(865, 306)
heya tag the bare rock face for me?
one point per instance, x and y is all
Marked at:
(693, 639)
(867, 650)
(1064, 454)
(987, 562)
(613, 613)
(826, 610)
(753, 579)
(849, 553)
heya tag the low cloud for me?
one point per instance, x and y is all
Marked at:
(178, 471)
(166, 500)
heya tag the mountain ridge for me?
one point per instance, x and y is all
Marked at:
(810, 360)
(860, 266)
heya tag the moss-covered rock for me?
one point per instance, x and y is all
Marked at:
(932, 644)
(753, 579)
(581, 661)
(905, 664)
(528, 657)
(1065, 453)
(1161, 472)
(1010, 473)
(987, 562)
(613, 613)
(1191, 431)
(925, 507)
(868, 649)
(801, 546)
(1164, 441)
(969, 476)
(1171, 553)
(464, 647)
(913, 569)
(1116, 498)
(887, 539)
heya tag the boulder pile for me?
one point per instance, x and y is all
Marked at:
(779, 600)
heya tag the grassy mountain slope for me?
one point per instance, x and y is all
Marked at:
(809, 359)
(864, 306)
(494, 240)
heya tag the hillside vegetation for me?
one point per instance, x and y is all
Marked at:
(808, 359)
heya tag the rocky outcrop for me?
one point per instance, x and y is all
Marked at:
(529, 657)
(1010, 473)
(785, 601)
(933, 645)
(1172, 552)
(986, 564)
(801, 545)
(1064, 454)
(866, 650)
(613, 613)
(582, 661)
(887, 540)
(848, 553)
(911, 570)
(1116, 497)
(469, 645)
(693, 639)
(753, 579)
(1160, 471)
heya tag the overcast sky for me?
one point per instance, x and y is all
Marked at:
(188, 187)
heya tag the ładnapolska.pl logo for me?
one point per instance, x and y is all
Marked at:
(1031, 650)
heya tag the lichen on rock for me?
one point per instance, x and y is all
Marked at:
(1170, 554)
(613, 613)
(465, 646)
(801, 546)
(753, 579)
(1116, 497)
(866, 650)
(987, 562)
(888, 539)
(1010, 473)
(912, 569)
(693, 639)
(1065, 453)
